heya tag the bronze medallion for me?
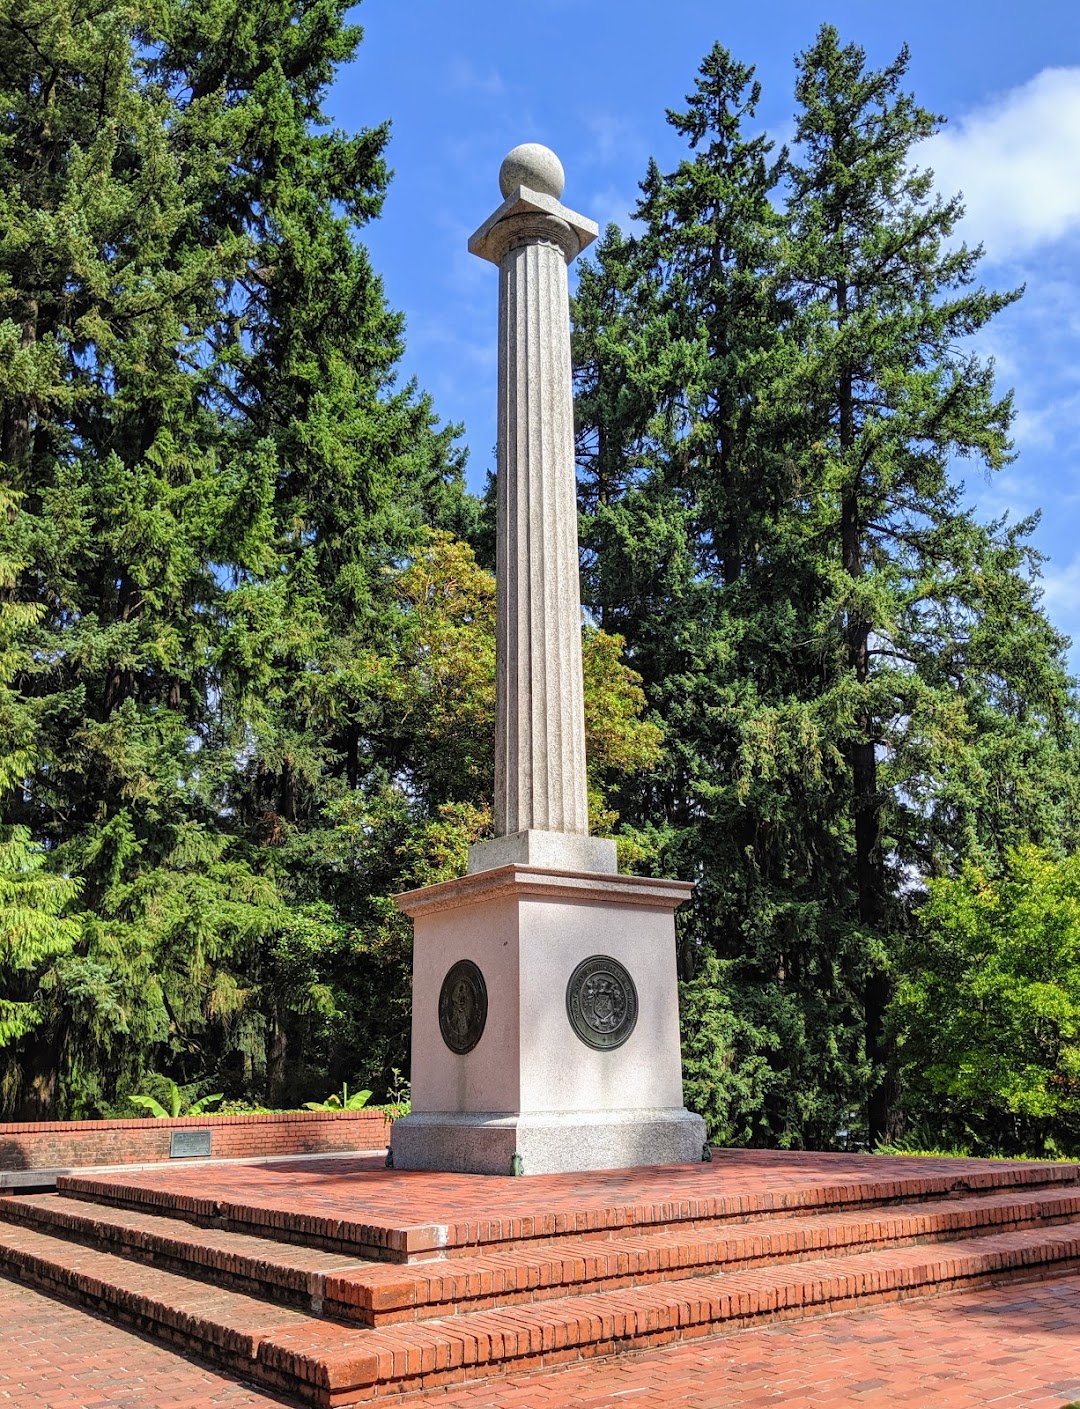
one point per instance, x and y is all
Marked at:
(462, 1007)
(601, 1002)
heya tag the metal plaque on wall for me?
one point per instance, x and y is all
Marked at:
(602, 1002)
(189, 1144)
(463, 1007)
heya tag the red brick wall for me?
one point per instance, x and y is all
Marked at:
(54, 1144)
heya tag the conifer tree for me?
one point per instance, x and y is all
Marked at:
(859, 687)
(198, 413)
(921, 590)
(236, 761)
(33, 930)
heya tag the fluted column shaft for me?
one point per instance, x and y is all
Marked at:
(540, 725)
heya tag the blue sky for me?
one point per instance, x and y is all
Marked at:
(463, 82)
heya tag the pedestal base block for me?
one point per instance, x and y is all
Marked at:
(545, 1024)
(547, 1142)
(551, 851)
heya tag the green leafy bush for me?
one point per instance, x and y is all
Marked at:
(344, 1102)
(987, 1013)
(178, 1104)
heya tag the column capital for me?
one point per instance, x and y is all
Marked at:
(527, 214)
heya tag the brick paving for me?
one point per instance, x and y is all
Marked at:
(1016, 1347)
(399, 1213)
(547, 1272)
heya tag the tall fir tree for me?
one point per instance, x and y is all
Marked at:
(685, 356)
(227, 593)
(859, 687)
(929, 604)
(214, 468)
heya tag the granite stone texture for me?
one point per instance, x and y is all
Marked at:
(547, 1142)
(532, 164)
(570, 1017)
(553, 851)
(540, 781)
(531, 1086)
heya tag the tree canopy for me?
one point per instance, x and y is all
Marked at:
(860, 688)
(246, 621)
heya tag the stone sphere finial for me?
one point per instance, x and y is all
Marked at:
(535, 166)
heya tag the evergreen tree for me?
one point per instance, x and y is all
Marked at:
(685, 356)
(33, 931)
(929, 605)
(198, 411)
(858, 685)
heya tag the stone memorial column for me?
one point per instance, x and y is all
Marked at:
(541, 794)
(545, 1030)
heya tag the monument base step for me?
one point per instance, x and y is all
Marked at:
(548, 1142)
(257, 1270)
(373, 1293)
(327, 1364)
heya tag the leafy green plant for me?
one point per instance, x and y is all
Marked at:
(344, 1102)
(399, 1097)
(177, 1104)
(987, 1012)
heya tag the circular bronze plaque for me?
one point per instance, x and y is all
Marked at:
(462, 1007)
(601, 1002)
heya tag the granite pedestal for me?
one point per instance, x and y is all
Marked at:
(532, 1087)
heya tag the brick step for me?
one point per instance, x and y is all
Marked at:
(261, 1266)
(329, 1364)
(376, 1294)
(400, 1217)
(381, 1295)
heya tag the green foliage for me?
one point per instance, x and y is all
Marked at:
(987, 1013)
(178, 1104)
(431, 796)
(33, 931)
(858, 687)
(923, 1140)
(246, 672)
(247, 659)
(399, 1096)
(213, 470)
(727, 1073)
(342, 1102)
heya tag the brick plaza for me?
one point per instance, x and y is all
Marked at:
(762, 1278)
(1014, 1347)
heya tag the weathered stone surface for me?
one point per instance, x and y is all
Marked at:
(540, 782)
(570, 231)
(576, 1064)
(553, 851)
(531, 1085)
(549, 1142)
(533, 165)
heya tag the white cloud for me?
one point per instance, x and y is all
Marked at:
(465, 77)
(1061, 592)
(612, 137)
(1017, 162)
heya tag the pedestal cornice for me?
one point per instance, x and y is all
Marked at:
(532, 882)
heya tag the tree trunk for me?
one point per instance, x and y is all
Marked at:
(15, 431)
(869, 861)
(120, 679)
(275, 1060)
(36, 1099)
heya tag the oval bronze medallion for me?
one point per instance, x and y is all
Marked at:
(462, 1007)
(602, 1002)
